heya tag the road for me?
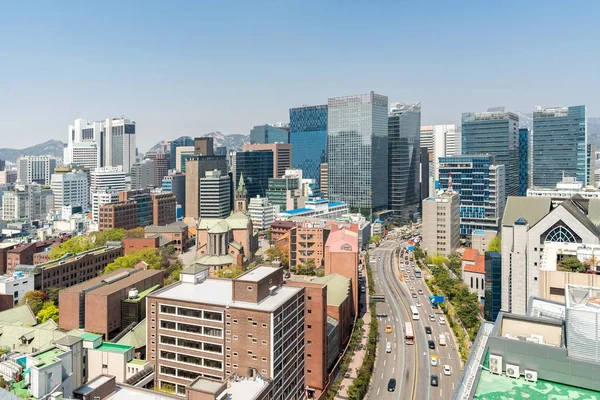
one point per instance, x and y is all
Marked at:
(405, 359)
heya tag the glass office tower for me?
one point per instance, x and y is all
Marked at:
(180, 142)
(404, 153)
(257, 167)
(480, 183)
(524, 136)
(308, 136)
(267, 134)
(493, 285)
(559, 145)
(494, 132)
(357, 147)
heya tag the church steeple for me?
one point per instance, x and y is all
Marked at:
(241, 195)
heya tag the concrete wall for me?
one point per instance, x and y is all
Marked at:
(552, 283)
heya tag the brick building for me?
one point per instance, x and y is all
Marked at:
(24, 253)
(307, 243)
(100, 304)
(176, 233)
(138, 208)
(72, 269)
(4, 249)
(216, 329)
(280, 228)
(131, 245)
(118, 215)
(341, 257)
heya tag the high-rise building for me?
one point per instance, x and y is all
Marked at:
(107, 178)
(215, 195)
(357, 151)
(425, 178)
(100, 198)
(440, 141)
(266, 134)
(30, 201)
(591, 163)
(2, 165)
(204, 146)
(493, 285)
(113, 140)
(257, 167)
(308, 137)
(8, 176)
(524, 159)
(182, 153)
(142, 175)
(71, 189)
(138, 208)
(35, 169)
(196, 168)
(480, 184)
(441, 223)
(559, 144)
(282, 156)
(494, 132)
(173, 145)
(404, 159)
(175, 183)
(262, 213)
(324, 183)
(250, 326)
(161, 167)
(286, 191)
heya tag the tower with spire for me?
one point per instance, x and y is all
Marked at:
(241, 196)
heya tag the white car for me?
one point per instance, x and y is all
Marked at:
(447, 370)
(418, 304)
(442, 321)
(432, 317)
(434, 361)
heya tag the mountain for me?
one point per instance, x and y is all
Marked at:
(51, 148)
(232, 141)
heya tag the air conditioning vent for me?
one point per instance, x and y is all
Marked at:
(496, 364)
(531, 376)
(512, 371)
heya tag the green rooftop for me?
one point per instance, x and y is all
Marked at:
(48, 356)
(141, 295)
(138, 362)
(87, 336)
(338, 287)
(501, 387)
(114, 348)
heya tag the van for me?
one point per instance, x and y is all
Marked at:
(388, 347)
(442, 339)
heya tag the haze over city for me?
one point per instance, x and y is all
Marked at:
(192, 68)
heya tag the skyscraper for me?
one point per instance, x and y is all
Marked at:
(559, 145)
(35, 169)
(308, 136)
(357, 149)
(142, 175)
(257, 168)
(524, 136)
(182, 141)
(265, 134)
(72, 189)
(215, 195)
(480, 184)
(404, 159)
(440, 141)
(494, 132)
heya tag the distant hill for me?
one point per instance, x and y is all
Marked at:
(50, 148)
(232, 142)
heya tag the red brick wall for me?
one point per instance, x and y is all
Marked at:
(131, 245)
(344, 263)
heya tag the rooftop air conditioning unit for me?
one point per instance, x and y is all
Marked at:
(531, 376)
(512, 371)
(540, 338)
(496, 364)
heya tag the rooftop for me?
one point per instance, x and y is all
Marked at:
(532, 209)
(141, 295)
(74, 257)
(478, 267)
(93, 384)
(338, 288)
(338, 240)
(48, 356)
(19, 314)
(135, 337)
(123, 392)
(246, 389)
(130, 277)
(470, 255)
(258, 273)
(114, 348)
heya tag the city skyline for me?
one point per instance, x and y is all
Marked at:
(197, 70)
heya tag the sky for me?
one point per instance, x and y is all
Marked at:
(193, 67)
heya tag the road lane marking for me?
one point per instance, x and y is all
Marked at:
(384, 361)
(394, 357)
(378, 389)
(440, 392)
(382, 375)
(393, 370)
(453, 386)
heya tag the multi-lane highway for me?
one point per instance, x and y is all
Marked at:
(409, 364)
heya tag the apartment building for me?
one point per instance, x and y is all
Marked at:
(307, 242)
(441, 223)
(16, 285)
(251, 326)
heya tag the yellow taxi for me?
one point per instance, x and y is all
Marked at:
(388, 328)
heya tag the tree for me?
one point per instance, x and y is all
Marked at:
(375, 239)
(83, 243)
(308, 268)
(36, 306)
(150, 256)
(454, 263)
(439, 260)
(278, 252)
(34, 295)
(3, 383)
(53, 293)
(229, 272)
(48, 311)
(418, 252)
(495, 244)
(135, 233)
(572, 264)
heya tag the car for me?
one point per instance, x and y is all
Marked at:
(402, 269)
(392, 385)
(435, 380)
(405, 275)
(428, 330)
(363, 289)
(432, 317)
(287, 275)
(382, 315)
(442, 321)
(447, 370)
(379, 258)
(388, 328)
(434, 361)
(414, 295)
(420, 291)
(442, 339)
(388, 347)
(412, 287)
(418, 304)
(431, 344)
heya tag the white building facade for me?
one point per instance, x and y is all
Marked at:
(35, 169)
(107, 178)
(71, 189)
(101, 198)
(215, 195)
(262, 212)
(16, 285)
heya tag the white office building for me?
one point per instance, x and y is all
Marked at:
(35, 169)
(16, 285)
(440, 141)
(565, 189)
(101, 198)
(27, 202)
(142, 175)
(179, 151)
(262, 212)
(107, 178)
(215, 195)
(71, 189)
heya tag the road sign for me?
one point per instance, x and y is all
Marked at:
(434, 300)
(411, 248)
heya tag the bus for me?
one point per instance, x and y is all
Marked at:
(409, 336)
(414, 312)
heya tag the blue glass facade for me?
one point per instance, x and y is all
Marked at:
(494, 133)
(559, 145)
(493, 285)
(523, 161)
(257, 167)
(182, 141)
(267, 134)
(308, 136)
(480, 184)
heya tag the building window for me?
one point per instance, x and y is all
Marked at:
(308, 326)
(167, 370)
(167, 309)
(168, 325)
(189, 312)
(249, 288)
(264, 359)
(213, 316)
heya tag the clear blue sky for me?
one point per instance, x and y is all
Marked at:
(196, 67)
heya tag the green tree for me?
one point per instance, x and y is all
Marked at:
(439, 260)
(53, 293)
(495, 244)
(279, 252)
(229, 273)
(3, 383)
(34, 295)
(48, 311)
(454, 263)
(36, 306)
(419, 255)
(135, 233)
(152, 257)
(375, 239)
(572, 264)
(83, 243)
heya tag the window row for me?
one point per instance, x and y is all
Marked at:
(191, 313)
(189, 328)
(192, 344)
(188, 359)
